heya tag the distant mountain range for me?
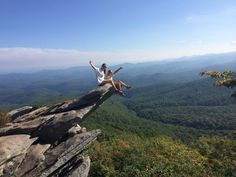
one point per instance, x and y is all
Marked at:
(18, 88)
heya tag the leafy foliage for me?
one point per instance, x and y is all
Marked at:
(226, 78)
(220, 153)
(130, 155)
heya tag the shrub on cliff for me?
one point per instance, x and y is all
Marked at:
(4, 118)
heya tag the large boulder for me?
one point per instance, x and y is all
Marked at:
(48, 141)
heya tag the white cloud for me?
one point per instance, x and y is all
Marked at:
(233, 42)
(31, 59)
(17, 59)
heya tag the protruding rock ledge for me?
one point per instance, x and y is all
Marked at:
(48, 141)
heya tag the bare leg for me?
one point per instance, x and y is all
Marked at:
(123, 84)
(110, 82)
(118, 85)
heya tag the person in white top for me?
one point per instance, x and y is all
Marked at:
(100, 72)
(103, 78)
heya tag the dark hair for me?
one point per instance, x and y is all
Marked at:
(104, 67)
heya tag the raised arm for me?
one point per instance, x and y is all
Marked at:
(93, 66)
(116, 71)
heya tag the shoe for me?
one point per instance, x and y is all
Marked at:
(122, 94)
(128, 87)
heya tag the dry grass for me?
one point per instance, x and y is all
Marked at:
(4, 118)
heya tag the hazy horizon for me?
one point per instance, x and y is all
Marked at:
(35, 70)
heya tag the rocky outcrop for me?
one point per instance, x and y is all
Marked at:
(48, 141)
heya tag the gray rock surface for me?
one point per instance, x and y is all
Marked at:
(21, 111)
(74, 130)
(48, 141)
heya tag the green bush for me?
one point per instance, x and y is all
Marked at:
(129, 155)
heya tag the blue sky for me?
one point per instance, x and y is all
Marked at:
(58, 33)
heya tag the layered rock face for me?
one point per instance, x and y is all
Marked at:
(48, 141)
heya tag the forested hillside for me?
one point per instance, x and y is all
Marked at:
(196, 104)
(133, 146)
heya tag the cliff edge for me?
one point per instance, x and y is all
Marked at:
(48, 141)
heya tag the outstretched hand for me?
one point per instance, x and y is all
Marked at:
(116, 71)
(90, 62)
